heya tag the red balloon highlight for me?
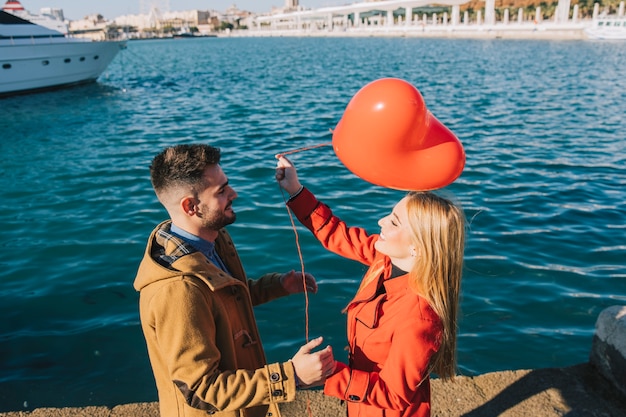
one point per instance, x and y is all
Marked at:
(388, 137)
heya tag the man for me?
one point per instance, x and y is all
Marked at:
(196, 303)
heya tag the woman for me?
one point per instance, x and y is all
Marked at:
(402, 320)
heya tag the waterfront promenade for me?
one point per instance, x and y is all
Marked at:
(386, 19)
(593, 389)
(543, 31)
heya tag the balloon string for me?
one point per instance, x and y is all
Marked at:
(306, 148)
(306, 292)
(308, 406)
(295, 232)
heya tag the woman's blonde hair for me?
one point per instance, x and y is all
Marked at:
(438, 233)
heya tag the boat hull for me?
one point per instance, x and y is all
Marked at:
(33, 67)
(605, 35)
(608, 28)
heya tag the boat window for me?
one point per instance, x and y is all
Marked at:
(82, 58)
(96, 57)
(6, 66)
(45, 62)
(67, 60)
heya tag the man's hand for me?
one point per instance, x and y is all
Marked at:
(292, 282)
(312, 368)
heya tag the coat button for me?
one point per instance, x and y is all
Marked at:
(277, 393)
(354, 398)
(274, 377)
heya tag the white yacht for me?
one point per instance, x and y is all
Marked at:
(51, 22)
(34, 57)
(608, 27)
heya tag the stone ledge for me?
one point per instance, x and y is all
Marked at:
(593, 389)
(578, 390)
(608, 352)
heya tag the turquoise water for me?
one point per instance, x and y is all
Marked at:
(543, 125)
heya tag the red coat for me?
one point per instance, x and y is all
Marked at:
(392, 333)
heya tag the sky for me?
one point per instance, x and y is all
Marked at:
(110, 9)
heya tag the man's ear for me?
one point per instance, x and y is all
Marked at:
(188, 204)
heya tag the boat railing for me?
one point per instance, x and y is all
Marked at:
(610, 18)
(32, 39)
(610, 21)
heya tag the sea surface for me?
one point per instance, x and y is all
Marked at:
(543, 124)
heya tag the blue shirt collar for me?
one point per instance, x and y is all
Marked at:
(204, 246)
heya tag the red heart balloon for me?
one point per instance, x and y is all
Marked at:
(388, 137)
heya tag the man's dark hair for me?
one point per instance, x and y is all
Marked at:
(182, 165)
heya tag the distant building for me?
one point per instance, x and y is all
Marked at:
(236, 16)
(93, 27)
(52, 12)
(187, 19)
(202, 22)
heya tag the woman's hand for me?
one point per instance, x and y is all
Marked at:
(287, 176)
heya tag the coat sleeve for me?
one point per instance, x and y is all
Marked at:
(395, 386)
(185, 331)
(350, 242)
(266, 288)
(262, 290)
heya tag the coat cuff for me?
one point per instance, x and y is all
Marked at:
(282, 382)
(348, 384)
(303, 203)
(357, 386)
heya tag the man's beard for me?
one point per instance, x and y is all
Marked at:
(217, 220)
